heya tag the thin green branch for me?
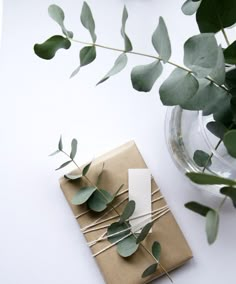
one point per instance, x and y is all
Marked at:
(149, 56)
(225, 36)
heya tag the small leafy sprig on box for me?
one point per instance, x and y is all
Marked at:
(98, 200)
(201, 84)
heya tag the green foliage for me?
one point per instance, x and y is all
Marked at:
(127, 42)
(190, 7)
(197, 208)
(87, 55)
(73, 148)
(118, 66)
(156, 250)
(178, 88)
(99, 200)
(201, 178)
(48, 49)
(214, 15)
(230, 53)
(87, 21)
(202, 159)
(60, 145)
(57, 14)
(230, 192)
(143, 77)
(197, 56)
(119, 231)
(218, 73)
(150, 270)
(83, 195)
(127, 247)
(230, 142)
(212, 225)
(217, 128)
(128, 211)
(161, 41)
(73, 177)
(144, 232)
(86, 169)
(64, 165)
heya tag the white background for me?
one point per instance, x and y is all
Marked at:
(40, 242)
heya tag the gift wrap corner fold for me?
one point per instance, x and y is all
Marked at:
(115, 269)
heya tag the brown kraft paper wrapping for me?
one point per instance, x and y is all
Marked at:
(115, 269)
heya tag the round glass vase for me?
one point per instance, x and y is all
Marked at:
(186, 132)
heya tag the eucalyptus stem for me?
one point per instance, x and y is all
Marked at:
(91, 183)
(225, 36)
(222, 203)
(209, 158)
(149, 56)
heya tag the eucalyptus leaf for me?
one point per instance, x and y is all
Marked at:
(202, 159)
(73, 148)
(217, 128)
(87, 21)
(48, 49)
(87, 55)
(230, 80)
(143, 77)
(115, 228)
(99, 200)
(54, 153)
(178, 88)
(190, 7)
(127, 42)
(86, 169)
(118, 66)
(83, 195)
(57, 14)
(230, 192)
(128, 211)
(201, 54)
(150, 270)
(60, 145)
(161, 41)
(127, 247)
(198, 208)
(144, 232)
(212, 16)
(73, 177)
(212, 225)
(201, 178)
(230, 142)
(218, 73)
(156, 250)
(224, 113)
(64, 165)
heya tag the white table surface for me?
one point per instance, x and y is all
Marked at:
(40, 241)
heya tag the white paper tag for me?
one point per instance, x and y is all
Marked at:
(140, 192)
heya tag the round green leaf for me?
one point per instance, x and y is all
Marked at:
(83, 195)
(143, 77)
(144, 232)
(230, 142)
(127, 247)
(150, 270)
(86, 169)
(217, 128)
(128, 211)
(213, 15)
(156, 250)
(115, 228)
(48, 49)
(198, 208)
(201, 53)
(73, 177)
(178, 88)
(127, 42)
(190, 7)
(118, 66)
(201, 178)
(201, 158)
(99, 200)
(212, 225)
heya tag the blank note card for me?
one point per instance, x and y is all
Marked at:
(140, 192)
